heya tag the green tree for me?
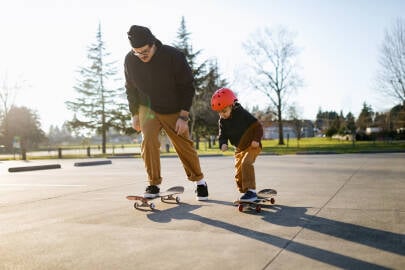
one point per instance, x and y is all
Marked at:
(350, 123)
(328, 122)
(207, 80)
(60, 135)
(365, 118)
(101, 103)
(207, 119)
(397, 114)
(199, 70)
(23, 123)
(350, 126)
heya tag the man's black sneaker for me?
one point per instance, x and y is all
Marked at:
(202, 192)
(249, 196)
(151, 192)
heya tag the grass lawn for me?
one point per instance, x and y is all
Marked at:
(315, 145)
(291, 147)
(327, 145)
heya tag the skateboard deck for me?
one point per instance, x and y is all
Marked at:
(264, 197)
(168, 195)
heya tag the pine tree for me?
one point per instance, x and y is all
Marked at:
(350, 123)
(208, 119)
(199, 73)
(365, 118)
(207, 80)
(101, 104)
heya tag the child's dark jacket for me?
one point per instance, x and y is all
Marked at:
(240, 129)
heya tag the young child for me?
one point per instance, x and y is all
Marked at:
(243, 131)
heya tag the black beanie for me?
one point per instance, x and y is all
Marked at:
(140, 36)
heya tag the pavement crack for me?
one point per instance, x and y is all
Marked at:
(309, 220)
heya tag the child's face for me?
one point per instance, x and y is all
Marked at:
(225, 113)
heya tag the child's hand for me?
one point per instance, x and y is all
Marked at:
(254, 144)
(224, 147)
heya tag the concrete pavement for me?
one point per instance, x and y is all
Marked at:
(332, 212)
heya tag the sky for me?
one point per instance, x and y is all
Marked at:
(44, 43)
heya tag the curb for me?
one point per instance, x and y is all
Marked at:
(34, 168)
(92, 163)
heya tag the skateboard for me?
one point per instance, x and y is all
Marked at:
(264, 197)
(168, 195)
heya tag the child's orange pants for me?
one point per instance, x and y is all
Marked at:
(245, 171)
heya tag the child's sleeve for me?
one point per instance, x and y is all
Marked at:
(222, 137)
(258, 132)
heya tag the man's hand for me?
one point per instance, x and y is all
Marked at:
(135, 123)
(181, 126)
(254, 144)
(224, 147)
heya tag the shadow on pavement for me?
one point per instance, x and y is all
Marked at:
(297, 217)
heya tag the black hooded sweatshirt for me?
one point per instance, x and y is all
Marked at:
(165, 83)
(241, 128)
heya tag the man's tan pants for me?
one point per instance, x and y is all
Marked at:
(151, 124)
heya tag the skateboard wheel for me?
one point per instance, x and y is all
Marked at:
(258, 208)
(240, 207)
(177, 199)
(136, 205)
(161, 199)
(152, 206)
(272, 200)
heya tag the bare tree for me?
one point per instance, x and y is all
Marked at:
(8, 92)
(273, 56)
(391, 74)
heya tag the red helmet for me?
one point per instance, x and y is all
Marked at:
(222, 98)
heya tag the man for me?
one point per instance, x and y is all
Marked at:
(159, 87)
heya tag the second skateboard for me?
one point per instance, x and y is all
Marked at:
(264, 197)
